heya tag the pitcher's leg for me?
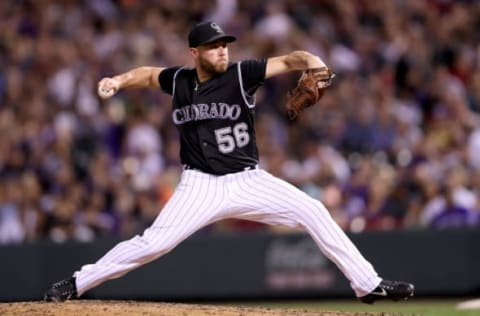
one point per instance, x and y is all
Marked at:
(196, 202)
(274, 201)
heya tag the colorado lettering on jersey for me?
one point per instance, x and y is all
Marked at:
(197, 112)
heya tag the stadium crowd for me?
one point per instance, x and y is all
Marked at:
(394, 144)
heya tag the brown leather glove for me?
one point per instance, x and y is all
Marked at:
(309, 90)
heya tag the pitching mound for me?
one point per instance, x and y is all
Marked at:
(121, 308)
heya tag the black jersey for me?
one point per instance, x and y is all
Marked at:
(215, 118)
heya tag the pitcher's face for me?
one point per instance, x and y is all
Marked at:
(213, 57)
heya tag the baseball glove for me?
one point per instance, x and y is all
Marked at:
(309, 90)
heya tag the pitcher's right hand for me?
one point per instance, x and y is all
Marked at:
(108, 87)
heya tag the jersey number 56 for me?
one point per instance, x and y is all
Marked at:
(228, 138)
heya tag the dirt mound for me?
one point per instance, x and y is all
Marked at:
(121, 308)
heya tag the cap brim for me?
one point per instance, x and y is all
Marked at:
(226, 38)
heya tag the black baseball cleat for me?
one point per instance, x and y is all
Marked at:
(61, 291)
(393, 290)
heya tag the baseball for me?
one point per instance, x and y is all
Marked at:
(107, 87)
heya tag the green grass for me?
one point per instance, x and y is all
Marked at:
(437, 307)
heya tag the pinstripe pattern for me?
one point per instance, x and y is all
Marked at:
(267, 199)
(197, 201)
(200, 199)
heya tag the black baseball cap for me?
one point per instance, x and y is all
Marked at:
(207, 32)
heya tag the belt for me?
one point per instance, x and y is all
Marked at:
(188, 167)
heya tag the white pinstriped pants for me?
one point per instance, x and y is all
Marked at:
(201, 199)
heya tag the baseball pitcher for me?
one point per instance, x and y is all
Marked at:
(213, 109)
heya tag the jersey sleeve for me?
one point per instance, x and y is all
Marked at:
(166, 79)
(253, 74)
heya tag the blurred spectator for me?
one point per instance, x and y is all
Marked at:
(453, 214)
(395, 143)
(11, 223)
(453, 203)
